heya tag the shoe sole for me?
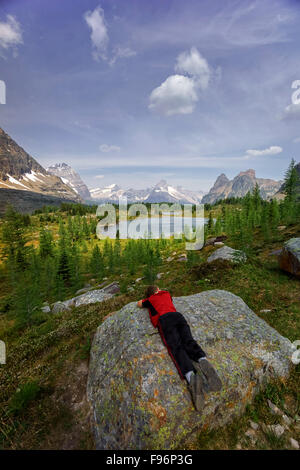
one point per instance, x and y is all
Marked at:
(213, 380)
(198, 397)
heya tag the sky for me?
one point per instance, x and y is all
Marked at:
(132, 92)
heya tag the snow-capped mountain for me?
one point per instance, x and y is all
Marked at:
(71, 178)
(161, 192)
(19, 171)
(108, 193)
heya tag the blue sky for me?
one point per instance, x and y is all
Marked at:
(134, 91)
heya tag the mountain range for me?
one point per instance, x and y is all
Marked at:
(161, 192)
(21, 174)
(240, 185)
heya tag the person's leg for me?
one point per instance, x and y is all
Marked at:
(194, 351)
(171, 338)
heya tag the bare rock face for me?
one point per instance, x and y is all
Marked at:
(289, 258)
(137, 396)
(244, 182)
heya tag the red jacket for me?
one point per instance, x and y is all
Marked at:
(158, 304)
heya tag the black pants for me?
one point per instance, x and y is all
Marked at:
(176, 335)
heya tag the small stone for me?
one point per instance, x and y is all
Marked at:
(277, 429)
(138, 279)
(46, 309)
(169, 259)
(265, 310)
(159, 275)
(58, 307)
(281, 227)
(254, 425)
(174, 253)
(287, 421)
(294, 443)
(274, 408)
(238, 447)
(82, 291)
(218, 244)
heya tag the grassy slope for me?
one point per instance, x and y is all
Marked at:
(54, 356)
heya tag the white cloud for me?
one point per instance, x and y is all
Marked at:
(296, 140)
(292, 111)
(121, 52)
(99, 176)
(194, 64)
(109, 148)
(10, 33)
(273, 150)
(99, 37)
(176, 95)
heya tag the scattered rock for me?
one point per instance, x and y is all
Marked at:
(159, 275)
(287, 421)
(82, 291)
(228, 254)
(289, 259)
(238, 446)
(254, 425)
(214, 240)
(46, 309)
(112, 288)
(138, 279)
(218, 244)
(265, 310)
(277, 429)
(274, 409)
(182, 257)
(170, 258)
(210, 241)
(58, 307)
(275, 253)
(281, 227)
(92, 297)
(149, 406)
(294, 443)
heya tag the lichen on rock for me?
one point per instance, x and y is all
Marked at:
(138, 398)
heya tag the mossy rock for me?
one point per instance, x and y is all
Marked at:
(138, 398)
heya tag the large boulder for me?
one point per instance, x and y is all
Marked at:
(138, 398)
(289, 257)
(228, 254)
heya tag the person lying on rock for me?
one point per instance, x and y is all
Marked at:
(188, 356)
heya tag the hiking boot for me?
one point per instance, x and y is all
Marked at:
(196, 389)
(213, 381)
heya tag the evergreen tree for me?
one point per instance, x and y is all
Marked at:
(46, 243)
(96, 263)
(291, 181)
